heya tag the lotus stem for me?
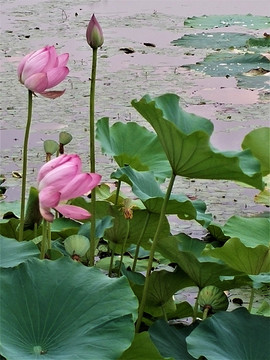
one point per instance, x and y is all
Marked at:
(111, 262)
(251, 299)
(24, 171)
(44, 242)
(123, 247)
(92, 158)
(139, 241)
(152, 251)
(195, 309)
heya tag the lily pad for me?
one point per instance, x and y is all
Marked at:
(215, 40)
(61, 309)
(247, 337)
(218, 21)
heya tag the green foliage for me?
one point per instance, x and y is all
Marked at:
(235, 335)
(61, 308)
(189, 150)
(219, 21)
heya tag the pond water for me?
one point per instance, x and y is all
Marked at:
(28, 25)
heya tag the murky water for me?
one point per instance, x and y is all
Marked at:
(28, 25)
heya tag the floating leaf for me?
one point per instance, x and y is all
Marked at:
(61, 309)
(247, 337)
(217, 21)
(215, 40)
(185, 139)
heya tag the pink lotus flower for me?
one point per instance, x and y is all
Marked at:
(60, 180)
(94, 34)
(43, 69)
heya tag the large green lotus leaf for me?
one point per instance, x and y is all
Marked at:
(10, 229)
(188, 148)
(142, 348)
(186, 252)
(251, 261)
(258, 141)
(147, 189)
(214, 40)
(136, 225)
(64, 310)
(264, 196)
(162, 286)
(217, 21)
(170, 340)
(231, 335)
(134, 145)
(254, 281)
(13, 252)
(251, 231)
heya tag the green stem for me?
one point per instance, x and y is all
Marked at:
(139, 241)
(92, 158)
(164, 313)
(44, 242)
(123, 247)
(152, 251)
(49, 235)
(195, 309)
(251, 299)
(24, 171)
(111, 262)
(205, 312)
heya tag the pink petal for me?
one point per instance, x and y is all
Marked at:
(22, 63)
(52, 94)
(73, 212)
(59, 177)
(35, 64)
(80, 185)
(62, 59)
(56, 75)
(46, 214)
(48, 197)
(37, 82)
(52, 60)
(52, 164)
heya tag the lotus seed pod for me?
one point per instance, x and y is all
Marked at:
(50, 146)
(77, 245)
(65, 137)
(213, 298)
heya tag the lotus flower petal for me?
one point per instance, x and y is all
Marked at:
(80, 185)
(56, 75)
(52, 164)
(48, 197)
(73, 212)
(37, 82)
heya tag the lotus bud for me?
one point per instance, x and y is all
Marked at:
(94, 34)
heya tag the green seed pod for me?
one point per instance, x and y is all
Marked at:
(50, 146)
(77, 245)
(65, 137)
(213, 299)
